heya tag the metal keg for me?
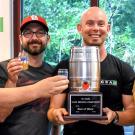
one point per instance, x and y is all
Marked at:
(84, 69)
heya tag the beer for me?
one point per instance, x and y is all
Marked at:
(23, 56)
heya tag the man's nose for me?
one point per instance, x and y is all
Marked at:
(95, 27)
(34, 36)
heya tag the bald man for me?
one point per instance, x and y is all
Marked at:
(118, 104)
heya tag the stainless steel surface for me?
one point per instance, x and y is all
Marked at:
(84, 69)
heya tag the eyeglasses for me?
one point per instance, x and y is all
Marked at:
(29, 33)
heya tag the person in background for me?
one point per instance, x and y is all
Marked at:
(29, 118)
(118, 103)
(13, 97)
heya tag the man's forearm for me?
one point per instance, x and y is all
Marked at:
(127, 117)
(10, 84)
(12, 97)
(16, 96)
(50, 114)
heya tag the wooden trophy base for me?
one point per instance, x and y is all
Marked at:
(85, 117)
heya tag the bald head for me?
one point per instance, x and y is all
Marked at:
(94, 12)
(94, 27)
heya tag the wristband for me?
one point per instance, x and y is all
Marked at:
(116, 119)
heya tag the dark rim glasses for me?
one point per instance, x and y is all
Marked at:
(29, 33)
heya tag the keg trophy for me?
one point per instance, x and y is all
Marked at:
(84, 98)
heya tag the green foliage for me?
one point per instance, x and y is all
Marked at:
(62, 17)
(122, 19)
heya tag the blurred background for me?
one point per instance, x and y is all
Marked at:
(62, 17)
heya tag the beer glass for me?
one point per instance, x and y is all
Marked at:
(23, 56)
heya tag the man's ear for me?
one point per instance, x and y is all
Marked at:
(108, 27)
(48, 38)
(79, 28)
(20, 39)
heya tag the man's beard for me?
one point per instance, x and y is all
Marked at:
(34, 52)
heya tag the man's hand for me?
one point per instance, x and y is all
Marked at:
(110, 117)
(4, 113)
(13, 67)
(58, 116)
(51, 85)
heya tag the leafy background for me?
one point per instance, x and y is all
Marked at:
(62, 17)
